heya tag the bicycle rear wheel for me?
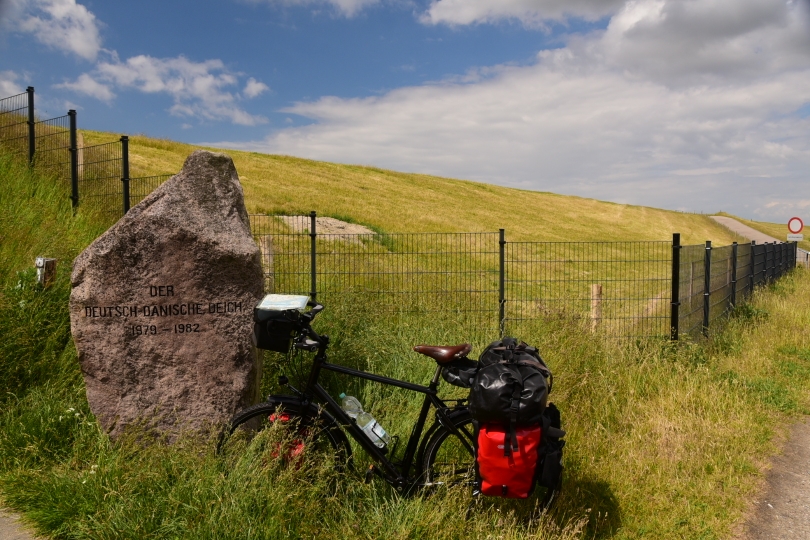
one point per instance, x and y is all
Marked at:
(449, 461)
(448, 457)
(309, 430)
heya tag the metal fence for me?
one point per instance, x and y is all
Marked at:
(617, 289)
(708, 282)
(100, 170)
(140, 187)
(98, 175)
(452, 274)
(15, 122)
(476, 280)
(52, 146)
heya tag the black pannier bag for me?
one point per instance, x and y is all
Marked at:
(516, 443)
(511, 386)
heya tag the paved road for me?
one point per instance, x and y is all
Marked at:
(752, 234)
(11, 529)
(782, 511)
(744, 230)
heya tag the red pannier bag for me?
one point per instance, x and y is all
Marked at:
(503, 470)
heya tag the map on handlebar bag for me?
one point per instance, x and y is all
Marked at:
(283, 302)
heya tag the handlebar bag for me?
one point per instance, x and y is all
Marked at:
(275, 329)
(502, 474)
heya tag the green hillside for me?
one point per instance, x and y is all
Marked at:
(400, 202)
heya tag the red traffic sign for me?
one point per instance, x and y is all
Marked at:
(795, 225)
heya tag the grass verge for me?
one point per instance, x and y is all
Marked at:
(664, 441)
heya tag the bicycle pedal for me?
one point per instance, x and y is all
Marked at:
(369, 473)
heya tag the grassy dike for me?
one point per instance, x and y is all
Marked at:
(374, 197)
(664, 441)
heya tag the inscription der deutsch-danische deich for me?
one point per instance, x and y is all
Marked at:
(160, 310)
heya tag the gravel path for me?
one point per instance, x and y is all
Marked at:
(782, 511)
(744, 230)
(760, 238)
(11, 528)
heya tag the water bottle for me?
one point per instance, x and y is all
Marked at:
(365, 421)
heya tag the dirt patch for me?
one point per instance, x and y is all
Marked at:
(11, 528)
(782, 509)
(327, 226)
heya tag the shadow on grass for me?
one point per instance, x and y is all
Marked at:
(597, 498)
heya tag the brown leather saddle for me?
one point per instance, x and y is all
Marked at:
(444, 354)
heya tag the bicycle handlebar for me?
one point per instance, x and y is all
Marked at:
(302, 342)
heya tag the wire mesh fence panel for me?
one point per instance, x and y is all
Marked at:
(720, 289)
(53, 146)
(286, 252)
(100, 173)
(744, 269)
(691, 287)
(453, 273)
(620, 289)
(451, 276)
(14, 123)
(139, 188)
(760, 260)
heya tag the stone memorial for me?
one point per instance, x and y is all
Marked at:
(162, 303)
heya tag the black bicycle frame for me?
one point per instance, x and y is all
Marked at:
(397, 476)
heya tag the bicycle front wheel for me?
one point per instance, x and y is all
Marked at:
(307, 430)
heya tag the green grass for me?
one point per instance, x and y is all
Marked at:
(663, 441)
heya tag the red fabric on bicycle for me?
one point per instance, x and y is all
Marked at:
(507, 476)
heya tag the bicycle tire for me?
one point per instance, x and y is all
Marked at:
(310, 430)
(447, 461)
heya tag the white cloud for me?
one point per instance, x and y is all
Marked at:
(529, 12)
(61, 24)
(87, 85)
(199, 89)
(254, 88)
(658, 109)
(347, 8)
(8, 84)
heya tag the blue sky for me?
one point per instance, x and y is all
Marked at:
(694, 105)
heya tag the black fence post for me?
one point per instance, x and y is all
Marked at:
(313, 217)
(125, 170)
(707, 286)
(734, 275)
(32, 134)
(502, 281)
(74, 161)
(674, 315)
